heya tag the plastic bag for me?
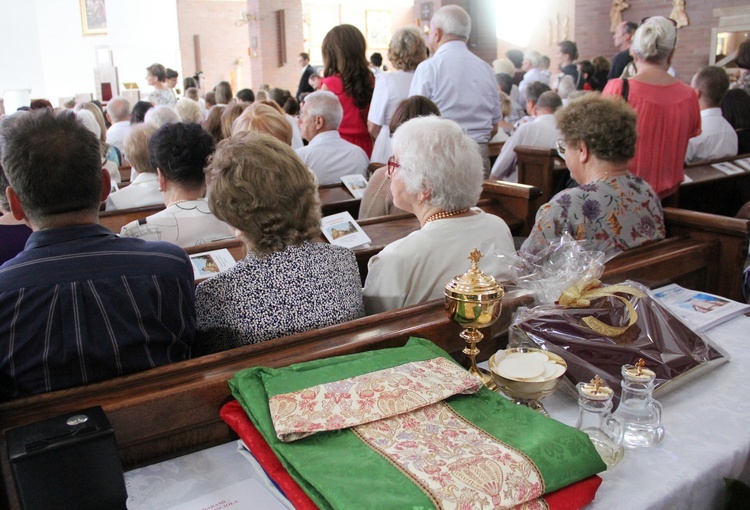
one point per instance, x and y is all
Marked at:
(669, 347)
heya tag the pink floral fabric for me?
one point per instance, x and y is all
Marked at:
(367, 398)
(457, 464)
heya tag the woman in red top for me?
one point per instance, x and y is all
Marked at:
(668, 112)
(347, 75)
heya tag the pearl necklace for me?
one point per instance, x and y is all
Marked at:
(445, 214)
(181, 201)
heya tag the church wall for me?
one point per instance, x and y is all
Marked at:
(694, 42)
(42, 46)
(223, 42)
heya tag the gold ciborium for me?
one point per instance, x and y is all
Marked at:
(474, 300)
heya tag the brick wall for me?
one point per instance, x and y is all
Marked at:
(694, 43)
(222, 42)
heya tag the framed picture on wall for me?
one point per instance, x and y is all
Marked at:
(93, 17)
(378, 29)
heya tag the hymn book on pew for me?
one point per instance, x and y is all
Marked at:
(211, 263)
(744, 163)
(701, 311)
(341, 229)
(356, 184)
(729, 169)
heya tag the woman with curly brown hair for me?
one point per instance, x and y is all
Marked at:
(347, 75)
(405, 51)
(287, 283)
(611, 210)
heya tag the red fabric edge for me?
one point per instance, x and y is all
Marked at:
(572, 497)
(233, 414)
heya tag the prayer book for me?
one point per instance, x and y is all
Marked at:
(356, 184)
(701, 311)
(211, 263)
(341, 229)
(728, 168)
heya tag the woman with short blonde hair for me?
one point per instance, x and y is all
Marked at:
(406, 51)
(143, 190)
(287, 283)
(263, 118)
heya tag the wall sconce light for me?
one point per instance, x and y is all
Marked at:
(245, 18)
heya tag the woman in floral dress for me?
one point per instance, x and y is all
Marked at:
(611, 210)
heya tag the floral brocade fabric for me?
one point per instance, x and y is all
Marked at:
(367, 398)
(609, 215)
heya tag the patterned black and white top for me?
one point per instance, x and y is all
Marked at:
(303, 287)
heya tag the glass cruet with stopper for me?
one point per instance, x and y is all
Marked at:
(640, 413)
(596, 420)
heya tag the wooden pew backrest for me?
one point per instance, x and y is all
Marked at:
(115, 220)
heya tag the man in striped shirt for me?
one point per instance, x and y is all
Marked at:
(80, 304)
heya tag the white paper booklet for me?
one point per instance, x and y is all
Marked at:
(356, 184)
(744, 163)
(211, 263)
(699, 310)
(728, 168)
(341, 229)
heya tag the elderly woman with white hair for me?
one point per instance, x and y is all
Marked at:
(436, 174)
(532, 66)
(162, 115)
(668, 111)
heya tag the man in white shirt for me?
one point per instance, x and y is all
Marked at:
(718, 139)
(532, 62)
(461, 84)
(328, 155)
(118, 113)
(541, 132)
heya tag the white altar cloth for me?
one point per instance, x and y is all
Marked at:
(707, 438)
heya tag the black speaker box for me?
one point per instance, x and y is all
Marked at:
(67, 462)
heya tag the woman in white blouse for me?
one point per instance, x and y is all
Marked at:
(436, 174)
(405, 51)
(180, 152)
(142, 191)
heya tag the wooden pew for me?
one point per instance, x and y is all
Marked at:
(173, 410)
(335, 198)
(115, 220)
(732, 234)
(510, 201)
(542, 168)
(712, 191)
(125, 173)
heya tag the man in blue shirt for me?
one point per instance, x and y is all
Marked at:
(80, 304)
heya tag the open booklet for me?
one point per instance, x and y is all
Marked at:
(728, 168)
(355, 183)
(341, 229)
(744, 163)
(701, 311)
(211, 263)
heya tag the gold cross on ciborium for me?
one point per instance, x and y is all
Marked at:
(474, 300)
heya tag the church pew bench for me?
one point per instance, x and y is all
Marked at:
(335, 198)
(115, 220)
(712, 191)
(733, 235)
(173, 410)
(510, 201)
(542, 168)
